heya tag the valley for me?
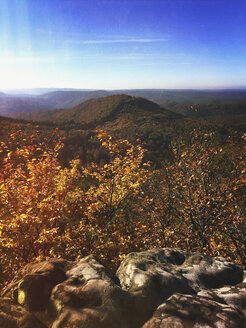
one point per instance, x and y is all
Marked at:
(122, 116)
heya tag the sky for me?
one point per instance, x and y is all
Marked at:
(125, 44)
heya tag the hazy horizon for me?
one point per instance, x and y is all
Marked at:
(42, 90)
(113, 45)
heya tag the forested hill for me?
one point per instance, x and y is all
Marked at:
(99, 189)
(122, 116)
(227, 114)
(214, 103)
(99, 110)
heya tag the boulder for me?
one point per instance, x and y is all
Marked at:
(164, 268)
(210, 272)
(154, 275)
(32, 287)
(91, 297)
(235, 296)
(155, 288)
(13, 315)
(33, 284)
(182, 311)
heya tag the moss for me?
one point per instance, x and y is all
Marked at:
(194, 259)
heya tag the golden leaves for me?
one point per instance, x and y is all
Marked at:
(119, 207)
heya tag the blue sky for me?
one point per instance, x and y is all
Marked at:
(111, 44)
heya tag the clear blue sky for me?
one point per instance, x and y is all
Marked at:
(112, 44)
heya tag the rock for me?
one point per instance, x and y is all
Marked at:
(13, 315)
(211, 272)
(165, 268)
(154, 275)
(235, 296)
(138, 268)
(184, 311)
(33, 285)
(187, 288)
(91, 298)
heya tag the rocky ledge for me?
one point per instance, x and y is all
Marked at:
(153, 289)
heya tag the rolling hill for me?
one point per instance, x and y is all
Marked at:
(98, 110)
(16, 106)
(223, 114)
(169, 97)
(215, 105)
(11, 105)
(122, 116)
(67, 99)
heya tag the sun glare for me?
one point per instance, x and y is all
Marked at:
(15, 44)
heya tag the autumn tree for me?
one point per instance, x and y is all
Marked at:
(47, 210)
(109, 222)
(197, 199)
(33, 198)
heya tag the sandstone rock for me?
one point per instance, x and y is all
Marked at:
(235, 296)
(154, 275)
(182, 311)
(33, 285)
(166, 267)
(211, 272)
(91, 298)
(34, 288)
(188, 289)
(153, 270)
(13, 315)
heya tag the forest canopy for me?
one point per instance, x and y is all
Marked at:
(194, 200)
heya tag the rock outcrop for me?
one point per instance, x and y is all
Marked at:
(195, 311)
(152, 289)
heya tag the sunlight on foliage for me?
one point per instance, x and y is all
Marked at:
(195, 201)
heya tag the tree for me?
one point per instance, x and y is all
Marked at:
(197, 202)
(33, 199)
(108, 224)
(47, 210)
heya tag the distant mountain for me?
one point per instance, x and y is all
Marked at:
(226, 107)
(97, 111)
(230, 114)
(37, 91)
(14, 105)
(9, 106)
(123, 116)
(68, 99)
(170, 97)
(166, 98)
